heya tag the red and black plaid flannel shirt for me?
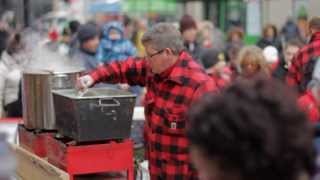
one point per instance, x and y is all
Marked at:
(296, 70)
(167, 100)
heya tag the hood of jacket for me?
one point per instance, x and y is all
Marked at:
(112, 25)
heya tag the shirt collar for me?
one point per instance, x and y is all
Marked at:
(87, 52)
(176, 71)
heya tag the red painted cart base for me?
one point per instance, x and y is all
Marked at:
(32, 141)
(93, 158)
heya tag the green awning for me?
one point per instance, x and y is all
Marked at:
(164, 6)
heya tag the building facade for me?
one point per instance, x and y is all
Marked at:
(248, 12)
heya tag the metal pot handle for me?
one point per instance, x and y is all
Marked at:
(102, 102)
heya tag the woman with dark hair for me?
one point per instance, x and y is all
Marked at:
(251, 131)
(270, 38)
(234, 38)
(188, 29)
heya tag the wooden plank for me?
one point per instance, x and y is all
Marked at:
(32, 167)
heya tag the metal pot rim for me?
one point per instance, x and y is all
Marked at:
(68, 71)
(37, 71)
(65, 93)
(47, 72)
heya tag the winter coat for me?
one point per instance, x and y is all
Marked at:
(308, 104)
(281, 71)
(10, 77)
(264, 42)
(195, 50)
(4, 36)
(115, 50)
(290, 30)
(111, 50)
(88, 60)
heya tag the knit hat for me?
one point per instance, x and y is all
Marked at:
(211, 57)
(271, 54)
(87, 32)
(187, 22)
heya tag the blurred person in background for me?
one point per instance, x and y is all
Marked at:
(271, 55)
(206, 34)
(290, 30)
(88, 38)
(231, 57)
(139, 28)
(214, 62)
(73, 27)
(252, 63)
(115, 47)
(251, 131)
(13, 60)
(234, 38)
(291, 48)
(64, 41)
(128, 24)
(210, 36)
(65, 36)
(69, 33)
(188, 29)
(270, 38)
(295, 76)
(310, 100)
(4, 36)
(302, 24)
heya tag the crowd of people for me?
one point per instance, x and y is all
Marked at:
(251, 127)
(261, 102)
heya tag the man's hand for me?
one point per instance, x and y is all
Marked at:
(124, 86)
(84, 82)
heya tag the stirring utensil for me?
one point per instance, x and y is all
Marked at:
(82, 92)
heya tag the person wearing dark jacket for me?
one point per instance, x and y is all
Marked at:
(290, 30)
(73, 29)
(290, 50)
(88, 38)
(270, 38)
(188, 29)
(4, 37)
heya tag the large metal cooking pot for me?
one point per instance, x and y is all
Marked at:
(38, 110)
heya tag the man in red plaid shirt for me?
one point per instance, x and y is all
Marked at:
(173, 81)
(298, 70)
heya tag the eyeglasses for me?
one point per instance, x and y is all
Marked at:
(154, 54)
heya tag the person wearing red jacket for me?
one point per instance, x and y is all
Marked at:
(310, 100)
(297, 69)
(173, 81)
(214, 62)
(309, 104)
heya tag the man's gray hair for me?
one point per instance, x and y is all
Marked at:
(315, 23)
(164, 35)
